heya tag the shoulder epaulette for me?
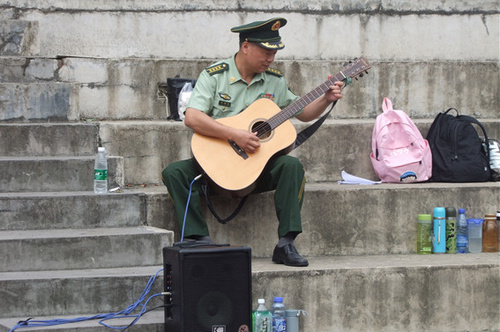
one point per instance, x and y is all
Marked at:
(217, 68)
(274, 72)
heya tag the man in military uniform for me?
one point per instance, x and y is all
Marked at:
(225, 89)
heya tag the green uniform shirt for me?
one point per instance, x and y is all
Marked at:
(221, 92)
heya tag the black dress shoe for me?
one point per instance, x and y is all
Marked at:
(288, 255)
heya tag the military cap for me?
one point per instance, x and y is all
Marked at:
(264, 33)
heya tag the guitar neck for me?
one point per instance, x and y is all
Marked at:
(355, 69)
(289, 111)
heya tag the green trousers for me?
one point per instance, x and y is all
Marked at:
(284, 174)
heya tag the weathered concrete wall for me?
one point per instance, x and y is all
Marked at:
(126, 89)
(322, 29)
(427, 56)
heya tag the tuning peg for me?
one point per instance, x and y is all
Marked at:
(366, 71)
(361, 75)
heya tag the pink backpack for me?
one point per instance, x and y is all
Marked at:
(399, 152)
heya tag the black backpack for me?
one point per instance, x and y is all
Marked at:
(458, 153)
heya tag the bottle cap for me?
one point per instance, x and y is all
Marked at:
(475, 221)
(461, 210)
(451, 212)
(424, 217)
(489, 216)
(278, 299)
(498, 213)
(261, 301)
(101, 148)
(439, 212)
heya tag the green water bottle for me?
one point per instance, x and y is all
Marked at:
(424, 240)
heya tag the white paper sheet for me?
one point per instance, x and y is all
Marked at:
(351, 179)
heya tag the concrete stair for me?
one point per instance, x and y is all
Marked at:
(345, 293)
(360, 241)
(66, 252)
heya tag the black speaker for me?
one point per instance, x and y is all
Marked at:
(210, 289)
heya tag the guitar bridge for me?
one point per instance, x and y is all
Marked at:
(239, 151)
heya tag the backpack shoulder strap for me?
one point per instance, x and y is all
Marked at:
(470, 119)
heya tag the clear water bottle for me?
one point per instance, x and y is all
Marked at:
(462, 239)
(475, 235)
(279, 315)
(262, 318)
(101, 172)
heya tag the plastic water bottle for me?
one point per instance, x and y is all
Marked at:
(101, 172)
(475, 235)
(490, 233)
(262, 318)
(279, 315)
(462, 239)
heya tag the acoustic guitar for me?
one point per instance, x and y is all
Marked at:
(235, 171)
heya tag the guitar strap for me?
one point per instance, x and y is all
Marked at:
(309, 131)
(206, 192)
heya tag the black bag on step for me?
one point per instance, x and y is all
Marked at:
(174, 87)
(458, 153)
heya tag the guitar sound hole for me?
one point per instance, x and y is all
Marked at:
(263, 129)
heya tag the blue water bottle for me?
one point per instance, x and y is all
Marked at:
(439, 230)
(279, 315)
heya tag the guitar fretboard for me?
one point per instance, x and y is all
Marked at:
(359, 66)
(289, 111)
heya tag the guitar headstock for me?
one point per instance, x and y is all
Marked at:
(355, 68)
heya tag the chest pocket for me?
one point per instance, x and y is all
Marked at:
(223, 106)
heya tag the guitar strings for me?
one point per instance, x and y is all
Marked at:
(267, 126)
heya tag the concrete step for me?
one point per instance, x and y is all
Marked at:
(78, 88)
(421, 19)
(91, 248)
(34, 174)
(18, 36)
(389, 293)
(49, 139)
(343, 293)
(73, 292)
(338, 145)
(38, 101)
(337, 219)
(71, 210)
(152, 321)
